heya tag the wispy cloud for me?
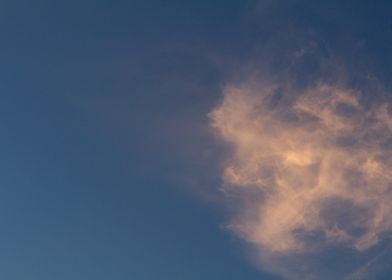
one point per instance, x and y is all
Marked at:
(313, 169)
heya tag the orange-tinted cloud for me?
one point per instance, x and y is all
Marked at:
(320, 161)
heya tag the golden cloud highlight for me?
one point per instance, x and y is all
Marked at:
(318, 164)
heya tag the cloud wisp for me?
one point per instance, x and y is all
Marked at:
(313, 171)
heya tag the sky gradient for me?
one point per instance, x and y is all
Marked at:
(114, 162)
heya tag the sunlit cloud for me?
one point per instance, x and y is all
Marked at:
(318, 164)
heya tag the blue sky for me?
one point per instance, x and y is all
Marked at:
(109, 167)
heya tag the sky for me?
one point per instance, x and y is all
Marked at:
(222, 139)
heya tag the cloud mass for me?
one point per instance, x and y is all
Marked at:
(318, 163)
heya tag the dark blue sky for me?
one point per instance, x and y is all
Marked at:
(103, 112)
